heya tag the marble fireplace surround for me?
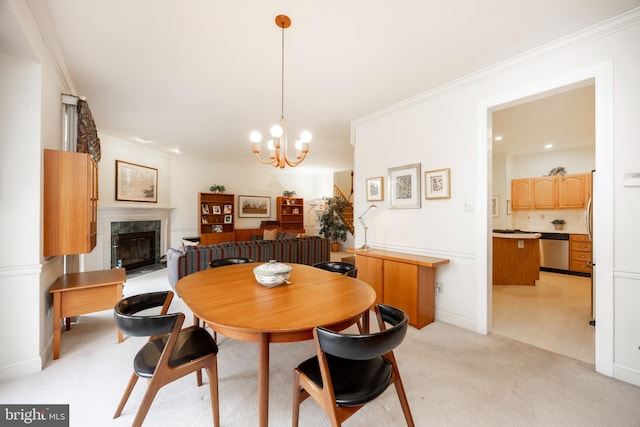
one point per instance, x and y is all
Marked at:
(109, 214)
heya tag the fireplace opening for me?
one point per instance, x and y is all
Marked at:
(136, 250)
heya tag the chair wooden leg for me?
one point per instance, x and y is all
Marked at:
(125, 396)
(199, 377)
(212, 373)
(147, 400)
(404, 403)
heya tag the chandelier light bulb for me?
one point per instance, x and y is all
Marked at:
(299, 145)
(255, 137)
(276, 131)
(270, 145)
(305, 136)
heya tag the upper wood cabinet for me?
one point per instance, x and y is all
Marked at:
(545, 192)
(70, 203)
(551, 192)
(522, 194)
(574, 191)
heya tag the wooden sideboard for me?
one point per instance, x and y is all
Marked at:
(405, 281)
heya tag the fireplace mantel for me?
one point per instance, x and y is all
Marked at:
(100, 258)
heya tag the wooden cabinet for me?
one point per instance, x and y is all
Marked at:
(290, 214)
(405, 281)
(70, 203)
(545, 192)
(216, 218)
(522, 194)
(580, 250)
(551, 192)
(574, 191)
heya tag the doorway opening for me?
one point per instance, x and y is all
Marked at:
(554, 313)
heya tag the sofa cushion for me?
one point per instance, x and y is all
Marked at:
(270, 234)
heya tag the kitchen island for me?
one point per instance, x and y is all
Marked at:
(516, 258)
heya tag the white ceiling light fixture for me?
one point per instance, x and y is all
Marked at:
(498, 138)
(278, 156)
(548, 146)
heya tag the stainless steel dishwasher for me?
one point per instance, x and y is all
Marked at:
(554, 251)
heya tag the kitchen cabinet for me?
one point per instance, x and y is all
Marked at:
(551, 192)
(70, 203)
(574, 191)
(405, 281)
(545, 192)
(522, 194)
(580, 253)
(516, 259)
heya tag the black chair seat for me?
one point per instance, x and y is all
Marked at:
(192, 344)
(361, 381)
(338, 267)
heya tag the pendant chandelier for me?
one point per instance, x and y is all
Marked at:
(278, 154)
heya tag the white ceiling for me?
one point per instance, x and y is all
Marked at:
(199, 75)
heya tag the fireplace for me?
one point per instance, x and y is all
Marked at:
(136, 250)
(135, 244)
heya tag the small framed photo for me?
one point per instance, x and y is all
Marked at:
(216, 210)
(227, 209)
(375, 189)
(205, 220)
(495, 206)
(217, 228)
(404, 187)
(228, 219)
(205, 208)
(437, 184)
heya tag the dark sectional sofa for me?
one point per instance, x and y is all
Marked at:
(302, 250)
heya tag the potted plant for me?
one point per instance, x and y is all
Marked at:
(558, 223)
(215, 188)
(331, 225)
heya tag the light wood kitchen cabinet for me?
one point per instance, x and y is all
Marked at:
(405, 281)
(574, 191)
(70, 203)
(580, 253)
(522, 194)
(551, 192)
(545, 192)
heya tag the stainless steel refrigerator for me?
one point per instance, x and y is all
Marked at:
(589, 220)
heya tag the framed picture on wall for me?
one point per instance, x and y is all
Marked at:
(254, 206)
(375, 189)
(404, 187)
(495, 206)
(436, 184)
(136, 183)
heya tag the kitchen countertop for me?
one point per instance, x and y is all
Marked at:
(519, 236)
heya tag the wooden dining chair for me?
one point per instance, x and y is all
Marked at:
(350, 371)
(170, 353)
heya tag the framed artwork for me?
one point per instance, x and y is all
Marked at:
(228, 219)
(216, 210)
(136, 183)
(375, 189)
(217, 228)
(495, 206)
(227, 209)
(404, 187)
(254, 206)
(205, 208)
(436, 184)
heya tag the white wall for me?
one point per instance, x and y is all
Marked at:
(449, 127)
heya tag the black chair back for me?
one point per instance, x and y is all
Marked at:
(148, 325)
(338, 267)
(367, 346)
(229, 261)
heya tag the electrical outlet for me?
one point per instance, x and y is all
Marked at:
(439, 290)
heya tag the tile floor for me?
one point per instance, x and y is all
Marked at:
(554, 314)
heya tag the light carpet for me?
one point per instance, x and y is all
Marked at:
(453, 377)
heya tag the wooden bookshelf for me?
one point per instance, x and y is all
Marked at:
(290, 214)
(216, 218)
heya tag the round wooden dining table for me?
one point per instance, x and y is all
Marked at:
(232, 303)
